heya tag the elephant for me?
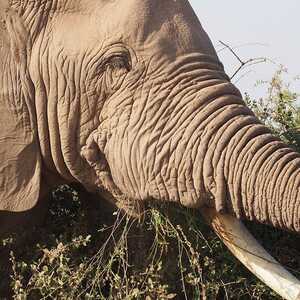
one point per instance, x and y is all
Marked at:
(130, 100)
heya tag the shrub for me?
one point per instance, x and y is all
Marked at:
(279, 109)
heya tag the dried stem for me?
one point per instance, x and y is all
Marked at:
(243, 63)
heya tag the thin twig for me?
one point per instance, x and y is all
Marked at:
(233, 52)
(243, 63)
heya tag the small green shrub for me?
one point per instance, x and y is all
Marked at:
(279, 109)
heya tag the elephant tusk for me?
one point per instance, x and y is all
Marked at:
(249, 252)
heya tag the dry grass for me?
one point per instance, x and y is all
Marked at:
(171, 255)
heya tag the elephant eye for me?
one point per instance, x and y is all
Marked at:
(119, 62)
(116, 69)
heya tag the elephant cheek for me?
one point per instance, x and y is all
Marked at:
(118, 156)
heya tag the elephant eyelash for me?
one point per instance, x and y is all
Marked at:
(116, 62)
(119, 62)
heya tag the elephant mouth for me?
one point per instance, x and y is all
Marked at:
(92, 153)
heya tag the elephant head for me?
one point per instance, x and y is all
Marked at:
(129, 99)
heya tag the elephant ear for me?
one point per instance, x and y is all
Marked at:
(20, 167)
(20, 161)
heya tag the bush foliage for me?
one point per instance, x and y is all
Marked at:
(87, 250)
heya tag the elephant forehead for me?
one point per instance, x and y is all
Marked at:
(165, 27)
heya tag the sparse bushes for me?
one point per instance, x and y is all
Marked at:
(171, 255)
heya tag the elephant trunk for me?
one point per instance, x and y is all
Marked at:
(248, 171)
(263, 178)
(224, 157)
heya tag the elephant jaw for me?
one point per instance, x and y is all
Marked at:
(251, 254)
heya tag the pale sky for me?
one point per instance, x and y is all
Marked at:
(268, 28)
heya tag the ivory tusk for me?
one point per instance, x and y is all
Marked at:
(249, 252)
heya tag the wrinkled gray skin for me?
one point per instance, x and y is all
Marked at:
(129, 99)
